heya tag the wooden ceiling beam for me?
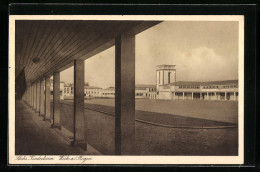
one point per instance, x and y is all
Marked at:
(58, 43)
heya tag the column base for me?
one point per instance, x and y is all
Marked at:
(79, 143)
(56, 126)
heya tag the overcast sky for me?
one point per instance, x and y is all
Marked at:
(201, 51)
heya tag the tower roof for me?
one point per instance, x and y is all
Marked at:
(164, 66)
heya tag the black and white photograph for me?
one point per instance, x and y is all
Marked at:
(128, 89)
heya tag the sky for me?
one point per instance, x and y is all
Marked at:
(201, 51)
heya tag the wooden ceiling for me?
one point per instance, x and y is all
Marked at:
(57, 42)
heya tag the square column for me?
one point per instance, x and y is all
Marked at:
(31, 95)
(56, 100)
(79, 117)
(207, 95)
(38, 95)
(125, 94)
(47, 108)
(191, 95)
(183, 95)
(42, 98)
(225, 95)
(27, 96)
(24, 96)
(30, 90)
(235, 97)
(200, 96)
(34, 96)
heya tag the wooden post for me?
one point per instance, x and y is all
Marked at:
(56, 101)
(38, 95)
(47, 109)
(31, 95)
(79, 117)
(42, 102)
(125, 95)
(35, 96)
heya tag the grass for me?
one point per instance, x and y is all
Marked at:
(154, 140)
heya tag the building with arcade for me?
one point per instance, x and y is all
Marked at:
(170, 89)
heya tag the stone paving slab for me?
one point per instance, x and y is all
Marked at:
(34, 136)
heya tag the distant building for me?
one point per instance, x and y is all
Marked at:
(145, 91)
(189, 90)
(167, 87)
(61, 89)
(141, 92)
(68, 90)
(92, 91)
(108, 92)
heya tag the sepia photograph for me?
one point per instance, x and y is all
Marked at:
(126, 89)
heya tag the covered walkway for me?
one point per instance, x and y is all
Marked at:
(34, 136)
(44, 48)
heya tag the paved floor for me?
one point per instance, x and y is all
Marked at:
(33, 136)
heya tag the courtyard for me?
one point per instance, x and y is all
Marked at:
(159, 140)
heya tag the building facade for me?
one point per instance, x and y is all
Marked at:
(68, 90)
(145, 91)
(141, 92)
(189, 90)
(166, 88)
(107, 92)
(92, 91)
